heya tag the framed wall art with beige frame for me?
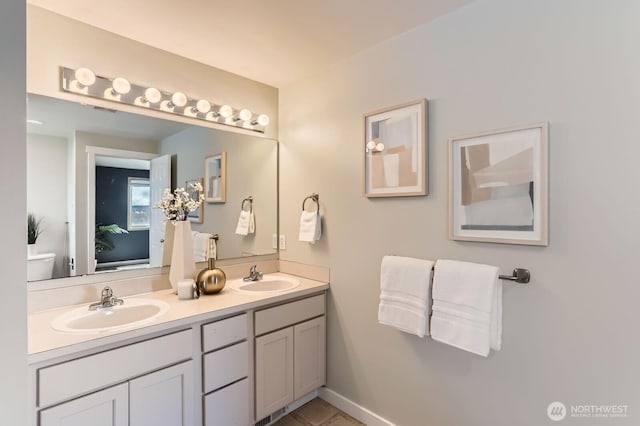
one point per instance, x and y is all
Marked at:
(215, 178)
(395, 151)
(498, 186)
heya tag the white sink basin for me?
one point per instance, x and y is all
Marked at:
(133, 312)
(265, 285)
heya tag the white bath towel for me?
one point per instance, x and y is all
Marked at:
(200, 245)
(467, 306)
(405, 289)
(252, 223)
(310, 226)
(243, 223)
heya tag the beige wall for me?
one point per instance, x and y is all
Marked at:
(55, 41)
(572, 334)
(13, 259)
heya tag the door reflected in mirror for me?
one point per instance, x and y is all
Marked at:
(94, 175)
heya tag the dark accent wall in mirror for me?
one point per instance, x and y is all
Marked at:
(80, 157)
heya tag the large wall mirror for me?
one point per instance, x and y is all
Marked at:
(91, 178)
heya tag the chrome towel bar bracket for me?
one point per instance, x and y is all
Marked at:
(519, 275)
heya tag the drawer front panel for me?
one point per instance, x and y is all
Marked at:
(224, 332)
(290, 313)
(228, 406)
(226, 366)
(67, 380)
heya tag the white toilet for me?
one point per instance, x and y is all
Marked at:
(40, 266)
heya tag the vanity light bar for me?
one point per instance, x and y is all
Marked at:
(83, 81)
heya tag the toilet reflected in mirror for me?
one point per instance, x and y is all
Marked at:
(40, 266)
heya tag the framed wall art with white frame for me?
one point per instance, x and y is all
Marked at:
(498, 186)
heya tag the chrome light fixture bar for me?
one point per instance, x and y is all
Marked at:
(83, 81)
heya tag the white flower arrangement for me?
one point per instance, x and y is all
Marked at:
(179, 204)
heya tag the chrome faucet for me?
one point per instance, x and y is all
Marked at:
(254, 274)
(107, 300)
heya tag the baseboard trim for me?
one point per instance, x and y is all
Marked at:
(356, 411)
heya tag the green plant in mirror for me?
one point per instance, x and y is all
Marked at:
(34, 228)
(103, 240)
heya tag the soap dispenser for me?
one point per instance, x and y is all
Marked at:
(211, 280)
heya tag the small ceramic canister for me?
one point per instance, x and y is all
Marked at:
(185, 289)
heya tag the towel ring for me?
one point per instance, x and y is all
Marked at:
(315, 198)
(250, 200)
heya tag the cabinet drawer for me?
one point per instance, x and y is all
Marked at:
(224, 332)
(229, 406)
(226, 366)
(288, 314)
(69, 379)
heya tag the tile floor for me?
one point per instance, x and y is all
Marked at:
(317, 412)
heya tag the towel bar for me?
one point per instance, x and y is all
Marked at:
(519, 275)
(315, 197)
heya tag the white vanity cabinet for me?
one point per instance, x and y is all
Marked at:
(290, 361)
(145, 383)
(217, 366)
(226, 372)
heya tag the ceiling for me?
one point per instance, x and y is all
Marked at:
(275, 42)
(61, 118)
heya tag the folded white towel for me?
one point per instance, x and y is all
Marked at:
(467, 306)
(310, 226)
(200, 245)
(243, 223)
(405, 294)
(252, 223)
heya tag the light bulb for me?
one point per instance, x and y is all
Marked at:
(179, 99)
(225, 111)
(263, 120)
(152, 95)
(371, 145)
(121, 86)
(245, 115)
(203, 106)
(85, 77)
(380, 146)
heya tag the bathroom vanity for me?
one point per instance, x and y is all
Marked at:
(230, 359)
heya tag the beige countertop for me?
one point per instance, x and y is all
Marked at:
(46, 343)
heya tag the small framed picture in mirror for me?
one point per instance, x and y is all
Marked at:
(215, 178)
(198, 214)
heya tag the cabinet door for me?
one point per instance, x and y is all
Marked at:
(309, 356)
(274, 371)
(108, 407)
(228, 406)
(163, 398)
